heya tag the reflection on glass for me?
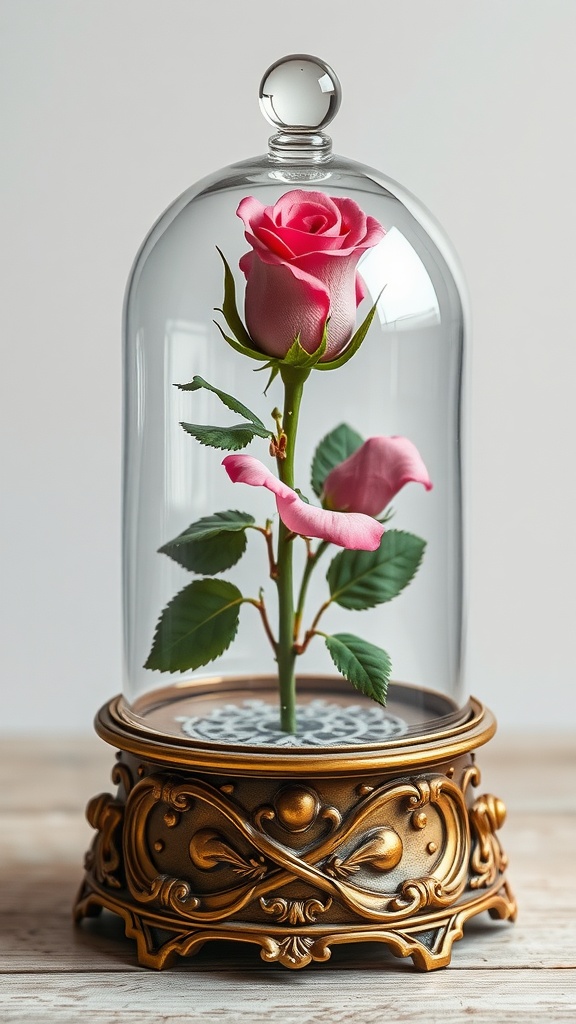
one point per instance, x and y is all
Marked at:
(408, 291)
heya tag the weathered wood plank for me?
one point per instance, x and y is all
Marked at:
(292, 998)
(531, 773)
(58, 773)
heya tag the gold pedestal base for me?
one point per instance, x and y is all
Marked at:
(296, 852)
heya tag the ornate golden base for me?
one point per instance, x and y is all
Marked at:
(296, 852)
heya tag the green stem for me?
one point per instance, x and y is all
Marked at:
(293, 388)
(308, 570)
(312, 632)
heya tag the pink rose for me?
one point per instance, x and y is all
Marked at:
(371, 477)
(302, 269)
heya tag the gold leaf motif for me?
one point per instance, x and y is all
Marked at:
(381, 849)
(293, 951)
(295, 911)
(209, 850)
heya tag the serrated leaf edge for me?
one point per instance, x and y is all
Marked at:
(231, 604)
(233, 404)
(213, 532)
(338, 638)
(193, 428)
(369, 572)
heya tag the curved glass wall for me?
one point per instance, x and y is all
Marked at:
(405, 380)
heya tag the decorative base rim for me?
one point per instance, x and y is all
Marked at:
(427, 939)
(115, 725)
(349, 846)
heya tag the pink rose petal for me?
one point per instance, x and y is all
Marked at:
(281, 302)
(346, 529)
(371, 477)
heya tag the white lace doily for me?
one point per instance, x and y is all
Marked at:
(319, 724)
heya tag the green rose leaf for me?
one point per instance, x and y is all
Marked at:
(229, 439)
(363, 664)
(196, 626)
(332, 450)
(241, 341)
(229, 401)
(211, 544)
(363, 579)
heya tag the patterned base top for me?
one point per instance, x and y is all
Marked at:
(319, 724)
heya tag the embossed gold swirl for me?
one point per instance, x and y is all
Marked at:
(104, 813)
(295, 911)
(310, 866)
(488, 859)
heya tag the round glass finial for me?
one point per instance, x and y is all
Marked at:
(300, 94)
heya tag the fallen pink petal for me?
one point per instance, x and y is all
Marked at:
(372, 476)
(352, 530)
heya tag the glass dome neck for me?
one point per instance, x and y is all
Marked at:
(298, 148)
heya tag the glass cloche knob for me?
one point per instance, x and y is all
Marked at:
(300, 95)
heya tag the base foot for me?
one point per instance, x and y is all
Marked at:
(428, 943)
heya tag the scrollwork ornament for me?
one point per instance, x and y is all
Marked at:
(105, 814)
(174, 894)
(418, 893)
(122, 776)
(488, 859)
(296, 809)
(293, 951)
(294, 912)
(175, 796)
(208, 849)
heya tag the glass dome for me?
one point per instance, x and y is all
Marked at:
(403, 381)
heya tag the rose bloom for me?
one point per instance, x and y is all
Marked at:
(302, 269)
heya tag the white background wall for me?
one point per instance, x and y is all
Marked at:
(110, 108)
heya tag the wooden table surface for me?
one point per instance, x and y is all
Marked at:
(50, 971)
